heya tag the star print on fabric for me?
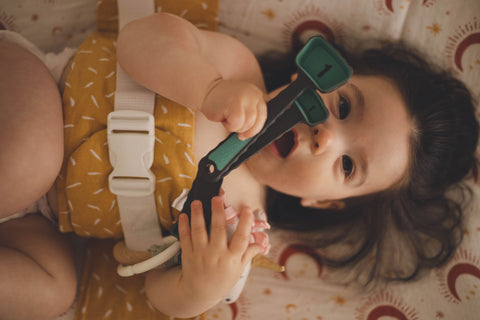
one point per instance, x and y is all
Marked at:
(269, 13)
(434, 28)
(339, 300)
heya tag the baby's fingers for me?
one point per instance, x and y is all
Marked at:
(234, 118)
(241, 236)
(252, 250)
(198, 228)
(184, 233)
(218, 229)
(256, 123)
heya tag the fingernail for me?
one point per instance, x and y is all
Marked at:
(219, 198)
(196, 203)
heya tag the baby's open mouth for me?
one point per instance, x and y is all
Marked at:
(285, 143)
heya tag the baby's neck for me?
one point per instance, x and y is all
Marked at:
(242, 189)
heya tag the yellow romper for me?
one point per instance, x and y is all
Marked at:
(86, 206)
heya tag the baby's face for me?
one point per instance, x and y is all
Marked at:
(362, 148)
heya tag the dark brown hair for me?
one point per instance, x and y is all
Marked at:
(397, 233)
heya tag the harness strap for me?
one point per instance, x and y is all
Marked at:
(131, 138)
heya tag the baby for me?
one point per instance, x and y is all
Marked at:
(363, 156)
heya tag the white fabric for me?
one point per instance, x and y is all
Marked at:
(129, 93)
(140, 223)
(55, 62)
(51, 25)
(439, 28)
(40, 206)
(132, 10)
(435, 26)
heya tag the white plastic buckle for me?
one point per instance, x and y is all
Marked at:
(131, 138)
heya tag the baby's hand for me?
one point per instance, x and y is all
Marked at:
(240, 105)
(210, 265)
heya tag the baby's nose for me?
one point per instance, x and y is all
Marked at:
(322, 137)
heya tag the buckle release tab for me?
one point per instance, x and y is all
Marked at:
(131, 139)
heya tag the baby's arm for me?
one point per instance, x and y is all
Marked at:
(210, 265)
(205, 71)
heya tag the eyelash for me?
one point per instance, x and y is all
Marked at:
(343, 106)
(343, 112)
(347, 166)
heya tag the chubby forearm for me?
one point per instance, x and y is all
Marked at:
(170, 56)
(162, 53)
(165, 291)
(211, 265)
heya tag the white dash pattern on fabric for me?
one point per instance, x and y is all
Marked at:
(160, 201)
(95, 154)
(110, 75)
(94, 101)
(91, 206)
(189, 159)
(112, 205)
(73, 185)
(107, 314)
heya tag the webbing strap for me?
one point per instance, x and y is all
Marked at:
(138, 212)
(130, 95)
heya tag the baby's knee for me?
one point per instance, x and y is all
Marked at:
(59, 297)
(42, 279)
(55, 298)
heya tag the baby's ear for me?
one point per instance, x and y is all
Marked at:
(323, 204)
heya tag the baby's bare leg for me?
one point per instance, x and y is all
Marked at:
(37, 273)
(31, 129)
(37, 270)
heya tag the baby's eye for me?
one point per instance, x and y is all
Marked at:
(343, 107)
(347, 165)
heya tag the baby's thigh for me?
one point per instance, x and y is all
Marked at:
(31, 129)
(37, 269)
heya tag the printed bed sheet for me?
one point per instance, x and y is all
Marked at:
(448, 31)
